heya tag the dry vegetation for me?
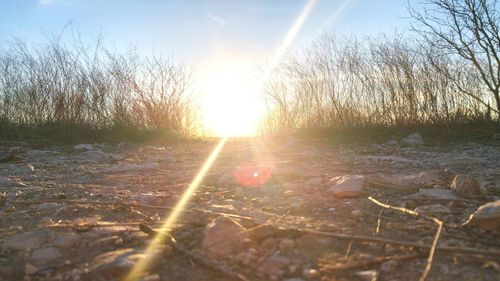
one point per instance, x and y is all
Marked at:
(445, 72)
(76, 87)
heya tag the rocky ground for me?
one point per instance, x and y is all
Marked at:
(268, 209)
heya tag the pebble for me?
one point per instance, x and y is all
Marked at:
(348, 186)
(30, 269)
(486, 217)
(220, 239)
(367, 275)
(274, 265)
(466, 186)
(388, 266)
(310, 274)
(116, 263)
(356, 213)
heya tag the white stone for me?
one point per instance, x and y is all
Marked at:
(367, 275)
(348, 186)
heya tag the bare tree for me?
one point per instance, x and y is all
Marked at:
(469, 29)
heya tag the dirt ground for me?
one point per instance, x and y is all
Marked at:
(267, 209)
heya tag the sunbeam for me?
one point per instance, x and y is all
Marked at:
(287, 41)
(143, 264)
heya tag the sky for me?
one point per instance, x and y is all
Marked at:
(221, 40)
(193, 30)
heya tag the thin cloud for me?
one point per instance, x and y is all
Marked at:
(217, 19)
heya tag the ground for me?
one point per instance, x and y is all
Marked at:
(278, 208)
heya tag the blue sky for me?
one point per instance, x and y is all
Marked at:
(192, 30)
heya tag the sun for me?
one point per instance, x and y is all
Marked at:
(231, 106)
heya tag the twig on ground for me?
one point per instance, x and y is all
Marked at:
(377, 230)
(436, 237)
(291, 229)
(379, 260)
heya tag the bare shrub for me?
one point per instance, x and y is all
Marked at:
(90, 86)
(379, 81)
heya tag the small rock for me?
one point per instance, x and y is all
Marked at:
(84, 147)
(286, 245)
(367, 275)
(25, 170)
(348, 186)
(274, 265)
(27, 241)
(30, 269)
(412, 140)
(268, 243)
(356, 213)
(435, 209)
(466, 186)
(310, 274)
(486, 217)
(116, 263)
(45, 256)
(388, 266)
(224, 236)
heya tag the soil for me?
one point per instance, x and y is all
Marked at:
(89, 212)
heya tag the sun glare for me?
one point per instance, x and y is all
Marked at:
(231, 107)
